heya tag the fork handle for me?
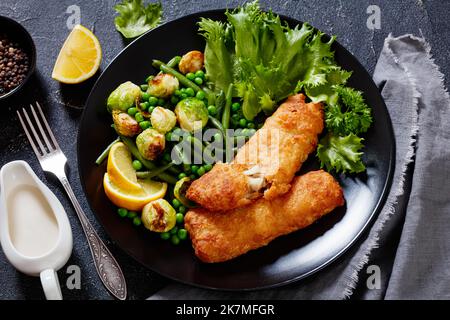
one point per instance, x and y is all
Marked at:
(107, 267)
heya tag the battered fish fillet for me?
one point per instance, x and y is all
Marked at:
(221, 236)
(267, 163)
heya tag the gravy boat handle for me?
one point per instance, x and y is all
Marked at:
(50, 284)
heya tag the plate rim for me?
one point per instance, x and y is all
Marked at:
(376, 211)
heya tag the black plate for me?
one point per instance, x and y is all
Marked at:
(286, 259)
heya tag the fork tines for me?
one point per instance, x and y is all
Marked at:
(44, 139)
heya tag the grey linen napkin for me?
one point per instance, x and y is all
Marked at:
(418, 202)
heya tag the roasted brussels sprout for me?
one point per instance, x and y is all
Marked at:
(191, 62)
(150, 143)
(192, 114)
(163, 119)
(125, 124)
(179, 191)
(163, 85)
(158, 216)
(123, 97)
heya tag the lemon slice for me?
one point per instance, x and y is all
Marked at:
(79, 58)
(150, 191)
(120, 168)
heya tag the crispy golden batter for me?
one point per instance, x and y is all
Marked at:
(221, 236)
(274, 154)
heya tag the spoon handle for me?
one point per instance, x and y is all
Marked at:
(106, 265)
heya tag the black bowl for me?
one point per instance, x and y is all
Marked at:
(17, 33)
(284, 260)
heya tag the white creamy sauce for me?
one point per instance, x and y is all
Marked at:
(32, 225)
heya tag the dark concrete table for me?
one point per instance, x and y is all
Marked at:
(46, 20)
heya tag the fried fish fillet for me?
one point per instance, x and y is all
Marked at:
(221, 236)
(266, 164)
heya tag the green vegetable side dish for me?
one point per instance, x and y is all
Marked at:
(135, 18)
(252, 62)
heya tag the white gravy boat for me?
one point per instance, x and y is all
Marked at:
(35, 233)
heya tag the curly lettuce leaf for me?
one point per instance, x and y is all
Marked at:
(218, 56)
(350, 114)
(342, 154)
(135, 18)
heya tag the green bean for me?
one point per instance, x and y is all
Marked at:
(210, 96)
(220, 103)
(183, 80)
(105, 152)
(153, 173)
(216, 123)
(148, 164)
(174, 170)
(226, 111)
(173, 63)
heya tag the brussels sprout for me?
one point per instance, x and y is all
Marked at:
(163, 119)
(150, 143)
(163, 85)
(192, 114)
(123, 97)
(191, 62)
(158, 216)
(179, 191)
(125, 124)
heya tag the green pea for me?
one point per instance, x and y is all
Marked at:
(179, 217)
(137, 165)
(132, 111)
(144, 87)
(192, 177)
(212, 110)
(242, 122)
(145, 124)
(173, 100)
(150, 109)
(137, 221)
(165, 235)
(190, 92)
(235, 106)
(174, 230)
(194, 168)
(250, 125)
(122, 212)
(235, 117)
(182, 234)
(167, 157)
(175, 240)
(182, 209)
(200, 95)
(183, 96)
(139, 117)
(161, 102)
(177, 92)
(182, 175)
(153, 101)
(201, 171)
(145, 96)
(144, 105)
(131, 214)
(200, 74)
(198, 81)
(244, 132)
(176, 203)
(169, 136)
(251, 132)
(190, 76)
(208, 166)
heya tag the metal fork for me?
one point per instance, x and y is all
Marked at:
(53, 160)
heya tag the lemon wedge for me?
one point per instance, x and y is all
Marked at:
(120, 168)
(79, 58)
(150, 191)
